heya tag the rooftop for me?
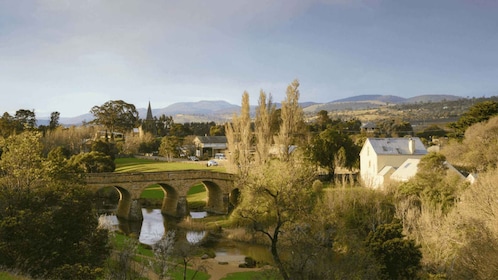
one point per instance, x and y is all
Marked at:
(397, 146)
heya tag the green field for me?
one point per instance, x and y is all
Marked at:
(149, 165)
(196, 196)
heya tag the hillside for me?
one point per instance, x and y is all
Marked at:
(221, 111)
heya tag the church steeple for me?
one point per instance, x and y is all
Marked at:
(149, 114)
(149, 124)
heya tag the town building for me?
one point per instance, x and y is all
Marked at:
(209, 146)
(382, 157)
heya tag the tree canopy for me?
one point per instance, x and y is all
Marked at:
(47, 225)
(116, 116)
(332, 148)
(479, 112)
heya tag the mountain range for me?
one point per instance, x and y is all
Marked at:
(220, 111)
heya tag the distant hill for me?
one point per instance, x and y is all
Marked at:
(366, 98)
(374, 101)
(197, 108)
(76, 120)
(432, 98)
(221, 111)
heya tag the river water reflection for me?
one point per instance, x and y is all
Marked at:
(154, 226)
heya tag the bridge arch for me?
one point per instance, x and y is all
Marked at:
(127, 207)
(175, 185)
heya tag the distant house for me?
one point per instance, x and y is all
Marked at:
(210, 145)
(380, 158)
(369, 128)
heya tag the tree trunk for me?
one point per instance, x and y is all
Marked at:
(275, 255)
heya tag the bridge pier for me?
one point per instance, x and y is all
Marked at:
(129, 209)
(182, 207)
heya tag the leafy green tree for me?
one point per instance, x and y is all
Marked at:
(169, 147)
(57, 165)
(54, 120)
(479, 112)
(163, 124)
(7, 126)
(323, 120)
(217, 130)
(331, 149)
(179, 130)
(106, 148)
(92, 162)
(47, 225)
(115, 115)
(149, 143)
(400, 257)
(432, 184)
(395, 128)
(25, 119)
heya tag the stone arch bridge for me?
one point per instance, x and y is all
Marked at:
(220, 188)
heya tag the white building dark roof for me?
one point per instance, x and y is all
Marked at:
(398, 146)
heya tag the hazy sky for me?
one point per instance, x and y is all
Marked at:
(67, 55)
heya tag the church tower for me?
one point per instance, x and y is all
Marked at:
(149, 117)
(149, 124)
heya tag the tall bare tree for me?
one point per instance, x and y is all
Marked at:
(262, 126)
(292, 121)
(239, 136)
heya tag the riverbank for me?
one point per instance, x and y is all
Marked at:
(219, 268)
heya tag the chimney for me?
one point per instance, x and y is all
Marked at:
(411, 146)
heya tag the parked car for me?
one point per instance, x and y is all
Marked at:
(193, 158)
(212, 163)
(220, 156)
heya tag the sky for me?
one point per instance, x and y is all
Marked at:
(68, 56)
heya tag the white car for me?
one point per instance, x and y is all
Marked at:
(212, 163)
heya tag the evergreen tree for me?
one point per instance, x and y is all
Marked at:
(398, 256)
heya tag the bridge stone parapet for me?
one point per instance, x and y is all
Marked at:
(175, 184)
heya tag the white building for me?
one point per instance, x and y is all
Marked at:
(381, 157)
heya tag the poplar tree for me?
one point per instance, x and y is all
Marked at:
(292, 122)
(263, 131)
(239, 136)
(276, 194)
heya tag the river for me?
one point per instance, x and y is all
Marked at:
(155, 225)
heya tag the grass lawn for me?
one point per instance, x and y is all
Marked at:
(148, 165)
(11, 276)
(196, 196)
(246, 275)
